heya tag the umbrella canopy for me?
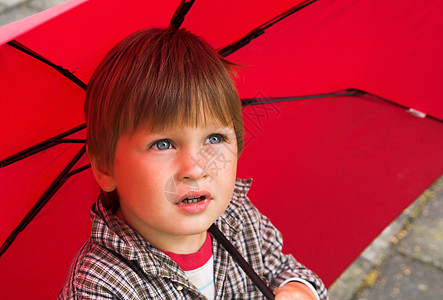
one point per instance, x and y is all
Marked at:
(357, 138)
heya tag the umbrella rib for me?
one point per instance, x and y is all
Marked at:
(228, 50)
(44, 60)
(265, 100)
(78, 170)
(361, 93)
(350, 92)
(51, 142)
(286, 14)
(44, 199)
(72, 141)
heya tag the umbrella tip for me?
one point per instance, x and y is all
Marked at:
(180, 13)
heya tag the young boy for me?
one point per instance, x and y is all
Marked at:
(164, 134)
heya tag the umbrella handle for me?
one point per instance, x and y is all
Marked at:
(241, 262)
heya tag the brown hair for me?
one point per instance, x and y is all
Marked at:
(158, 77)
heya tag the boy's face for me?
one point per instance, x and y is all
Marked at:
(173, 184)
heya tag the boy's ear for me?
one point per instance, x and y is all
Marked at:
(104, 179)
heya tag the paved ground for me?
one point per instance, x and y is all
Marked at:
(404, 262)
(14, 10)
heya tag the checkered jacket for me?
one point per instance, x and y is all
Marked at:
(117, 263)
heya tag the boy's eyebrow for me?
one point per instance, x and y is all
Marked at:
(161, 130)
(159, 133)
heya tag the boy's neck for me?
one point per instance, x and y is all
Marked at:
(195, 260)
(176, 244)
(184, 244)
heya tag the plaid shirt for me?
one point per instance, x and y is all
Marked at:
(117, 263)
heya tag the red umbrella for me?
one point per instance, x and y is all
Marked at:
(349, 134)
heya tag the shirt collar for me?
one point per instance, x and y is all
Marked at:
(230, 222)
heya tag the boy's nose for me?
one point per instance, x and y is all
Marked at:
(192, 166)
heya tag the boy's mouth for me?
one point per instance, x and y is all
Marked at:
(194, 197)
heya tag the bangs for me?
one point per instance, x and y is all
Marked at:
(193, 111)
(195, 104)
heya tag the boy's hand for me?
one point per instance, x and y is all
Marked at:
(294, 291)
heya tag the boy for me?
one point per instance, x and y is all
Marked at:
(164, 134)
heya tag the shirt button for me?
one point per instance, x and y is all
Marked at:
(178, 287)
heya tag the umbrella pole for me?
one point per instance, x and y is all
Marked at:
(241, 261)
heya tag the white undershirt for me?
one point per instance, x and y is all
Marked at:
(203, 278)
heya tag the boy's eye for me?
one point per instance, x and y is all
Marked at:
(162, 145)
(215, 139)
